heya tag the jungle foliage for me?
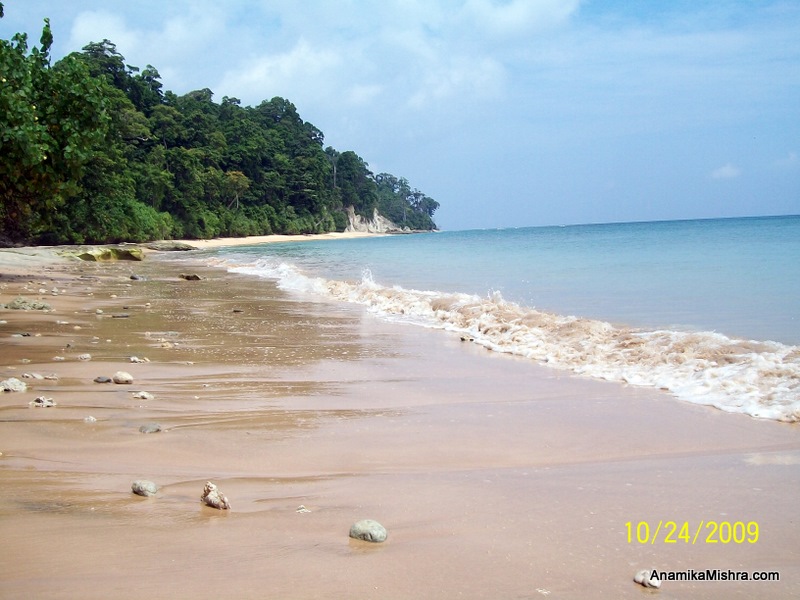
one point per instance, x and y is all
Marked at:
(94, 151)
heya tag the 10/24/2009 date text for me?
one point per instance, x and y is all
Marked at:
(706, 532)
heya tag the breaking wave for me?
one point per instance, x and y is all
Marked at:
(761, 379)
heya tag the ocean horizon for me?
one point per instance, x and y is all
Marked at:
(705, 308)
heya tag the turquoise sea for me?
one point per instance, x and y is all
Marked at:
(708, 310)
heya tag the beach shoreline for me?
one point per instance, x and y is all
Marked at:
(495, 477)
(277, 238)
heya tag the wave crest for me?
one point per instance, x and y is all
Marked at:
(761, 379)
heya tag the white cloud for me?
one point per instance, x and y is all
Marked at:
(94, 26)
(727, 171)
(302, 72)
(517, 16)
(791, 161)
(460, 81)
(362, 94)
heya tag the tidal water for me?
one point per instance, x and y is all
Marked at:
(706, 309)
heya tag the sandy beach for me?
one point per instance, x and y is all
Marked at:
(495, 477)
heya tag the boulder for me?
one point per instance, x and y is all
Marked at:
(109, 253)
(169, 246)
(368, 530)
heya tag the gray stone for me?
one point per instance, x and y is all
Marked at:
(142, 487)
(12, 384)
(150, 428)
(190, 277)
(122, 377)
(368, 530)
(103, 379)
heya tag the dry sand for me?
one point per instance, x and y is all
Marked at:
(271, 239)
(495, 478)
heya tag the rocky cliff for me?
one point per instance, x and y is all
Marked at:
(377, 224)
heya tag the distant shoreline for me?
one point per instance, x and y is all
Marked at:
(276, 238)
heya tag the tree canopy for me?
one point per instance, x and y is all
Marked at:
(93, 150)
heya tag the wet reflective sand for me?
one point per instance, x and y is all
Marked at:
(495, 478)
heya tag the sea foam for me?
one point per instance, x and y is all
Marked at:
(760, 379)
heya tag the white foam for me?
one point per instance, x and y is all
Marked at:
(761, 379)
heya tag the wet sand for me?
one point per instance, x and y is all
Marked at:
(496, 478)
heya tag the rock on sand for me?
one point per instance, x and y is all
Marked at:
(142, 487)
(368, 530)
(12, 384)
(645, 578)
(214, 498)
(122, 377)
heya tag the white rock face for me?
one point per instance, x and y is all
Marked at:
(377, 224)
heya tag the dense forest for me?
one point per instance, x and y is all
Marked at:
(93, 151)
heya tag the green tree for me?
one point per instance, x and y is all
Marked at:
(51, 121)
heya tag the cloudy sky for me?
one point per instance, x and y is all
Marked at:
(508, 112)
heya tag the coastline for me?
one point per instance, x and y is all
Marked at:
(286, 403)
(276, 238)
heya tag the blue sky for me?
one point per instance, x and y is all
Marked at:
(508, 112)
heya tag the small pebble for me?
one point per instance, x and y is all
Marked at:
(645, 578)
(136, 359)
(122, 377)
(302, 509)
(85, 357)
(89, 419)
(143, 396)
(142, 487)
(214, 498)
(42, 402)
(150, 428)
(368, 530)
(102, 379)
